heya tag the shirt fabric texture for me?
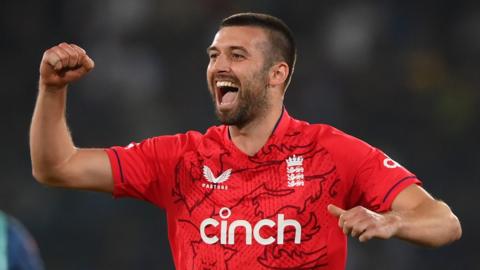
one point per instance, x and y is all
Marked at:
(228, 210)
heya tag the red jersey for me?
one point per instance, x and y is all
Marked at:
(228, 210)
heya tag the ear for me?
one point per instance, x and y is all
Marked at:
(278, 74)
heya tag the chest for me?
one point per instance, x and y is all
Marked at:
(290, 181)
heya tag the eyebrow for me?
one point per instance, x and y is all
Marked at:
(213, 48)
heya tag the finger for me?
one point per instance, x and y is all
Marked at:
(79, 49)
(366, 236)
(52, 59)
(335, 210)
(372, 231)
(59, 64)
(63, 57)
(72, 54)
(360, 227)
(87, 63)
(84, 59)
(338, 212)
(347, 228)
(357, 231)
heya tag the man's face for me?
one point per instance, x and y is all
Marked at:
(237, 74)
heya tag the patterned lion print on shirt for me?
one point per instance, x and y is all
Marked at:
(319, 184)
(211, 257)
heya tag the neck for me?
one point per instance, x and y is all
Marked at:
(251, 137)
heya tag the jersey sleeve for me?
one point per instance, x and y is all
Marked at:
(373, 179)
(378, 180)
(145, 170)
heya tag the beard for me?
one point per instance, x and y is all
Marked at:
(250, 106)
(252, 102)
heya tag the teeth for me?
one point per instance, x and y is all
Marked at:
(226, 84)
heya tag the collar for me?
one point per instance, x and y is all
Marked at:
(281, 126)
(278, 132)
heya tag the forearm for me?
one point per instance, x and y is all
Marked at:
(431, 224)
(55, 159)
(51, 144)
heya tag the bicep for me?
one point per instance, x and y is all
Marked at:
(410, 198)
(88, 169)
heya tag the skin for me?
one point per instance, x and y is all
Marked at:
(249, 73)
(237, 54)
(55, 159)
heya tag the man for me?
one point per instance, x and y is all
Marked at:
(261, 191)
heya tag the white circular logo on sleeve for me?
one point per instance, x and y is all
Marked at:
(390, 163)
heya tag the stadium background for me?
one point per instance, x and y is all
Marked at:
(402, 75)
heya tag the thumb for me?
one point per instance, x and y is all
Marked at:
(88, 63)
(335, 210)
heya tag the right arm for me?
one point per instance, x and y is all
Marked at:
(55, 159)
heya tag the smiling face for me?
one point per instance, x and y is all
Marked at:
(238, 74)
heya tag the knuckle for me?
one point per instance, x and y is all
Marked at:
(63, 45)
(47, 54)
(59, 52)
(376, 232)
(54, 50)
(357, 208)
(78, 48)
(67, 48)
(362, 210)
(372, 227)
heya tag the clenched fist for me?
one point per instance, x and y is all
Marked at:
(63, 64)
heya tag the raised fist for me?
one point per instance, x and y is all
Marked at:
(63, 64)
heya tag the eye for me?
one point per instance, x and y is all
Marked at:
(237, 56)
(212, 55)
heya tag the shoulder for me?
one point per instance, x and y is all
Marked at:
(336, 140)
(347, 152)
(331, 138)
(189, 139)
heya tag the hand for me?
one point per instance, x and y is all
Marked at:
(63, 64)
(364, 224)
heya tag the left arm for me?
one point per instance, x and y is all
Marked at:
(415, 217)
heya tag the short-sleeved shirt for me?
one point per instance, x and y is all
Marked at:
(228, 210)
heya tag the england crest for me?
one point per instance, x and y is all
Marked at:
(295, 171)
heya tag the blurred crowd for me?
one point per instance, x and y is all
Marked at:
(402, 75)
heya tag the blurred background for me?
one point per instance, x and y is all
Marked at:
(402, 75)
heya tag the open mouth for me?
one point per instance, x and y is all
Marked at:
(226, 92)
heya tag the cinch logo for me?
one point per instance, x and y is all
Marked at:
(227, 230)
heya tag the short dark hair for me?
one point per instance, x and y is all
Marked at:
(280, 35)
